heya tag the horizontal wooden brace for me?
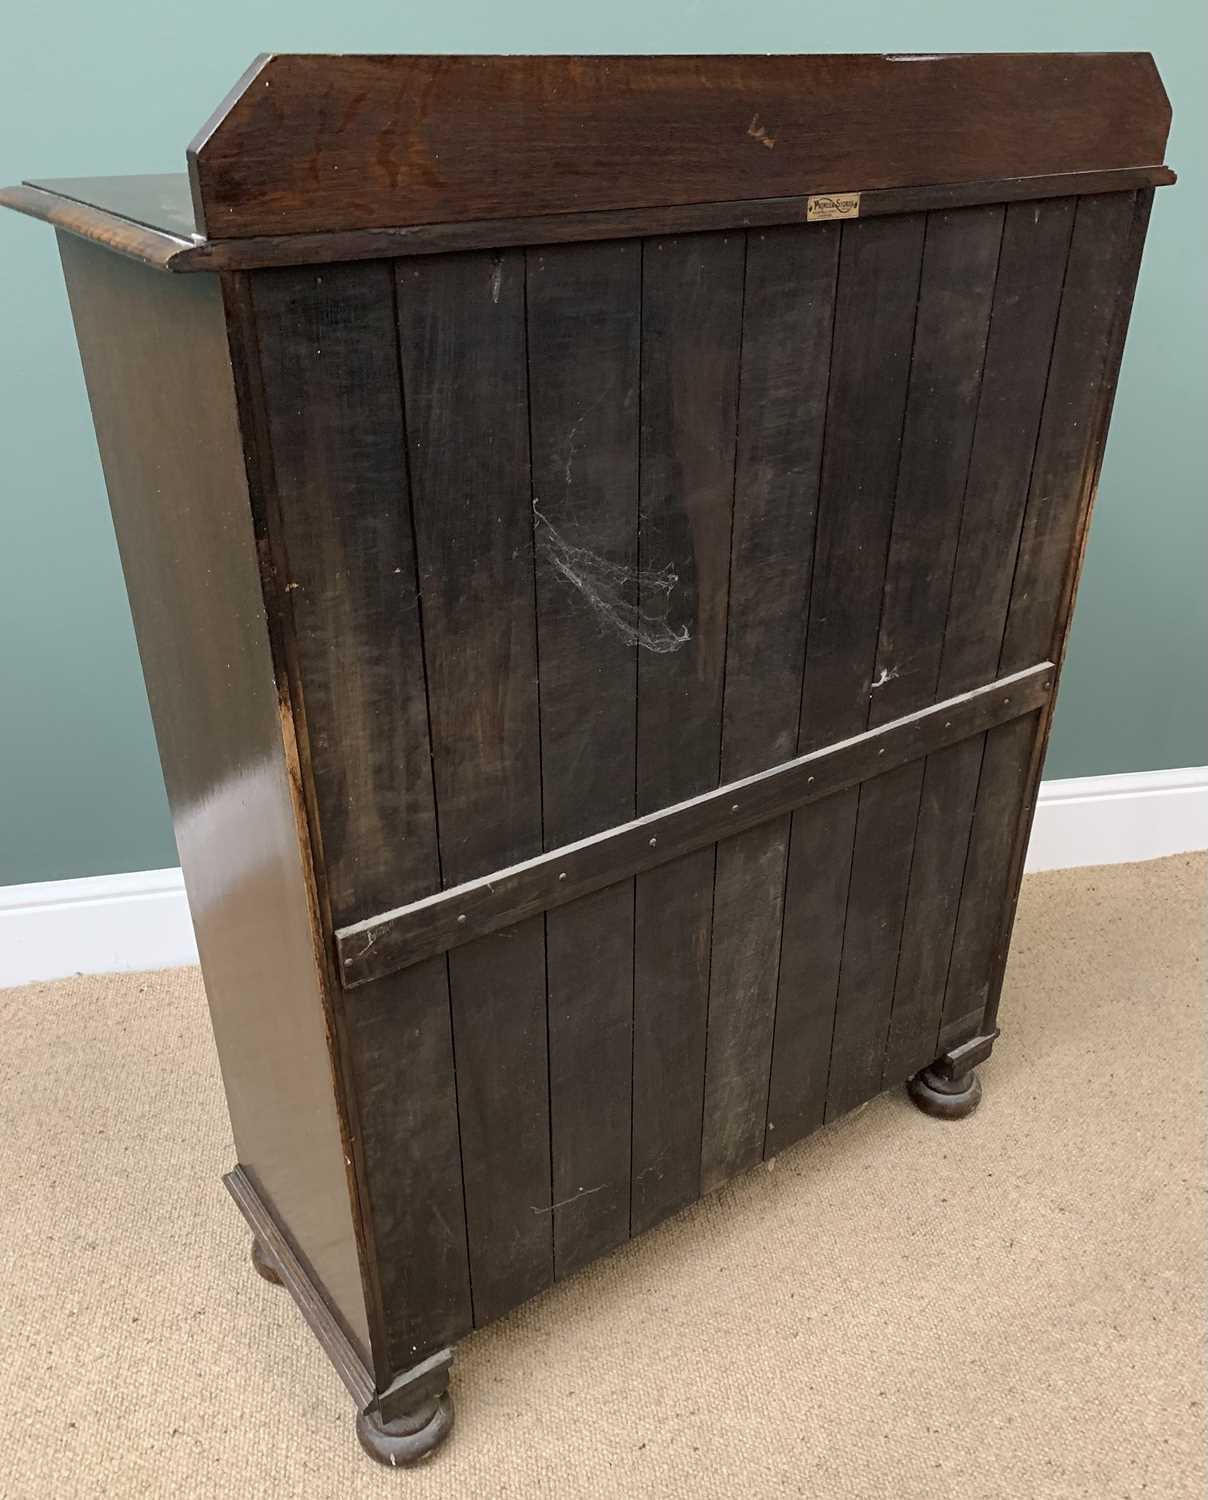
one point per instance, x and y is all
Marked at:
(169, 252)
(380, 945)
(688, 218)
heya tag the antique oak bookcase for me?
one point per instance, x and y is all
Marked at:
(601, 533)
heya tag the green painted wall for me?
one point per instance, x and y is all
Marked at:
(89, 89)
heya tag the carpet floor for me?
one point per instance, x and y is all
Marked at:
(1011, 1305)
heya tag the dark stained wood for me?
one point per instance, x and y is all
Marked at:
(584, 319)
(1002, 774)
(467, 429)
(589, 950)
(133, 215)
(295, 1277)
(401, 1064)
(329, 363)
(462, 340)
(788, 318)
(599, 618)
(1069, 429)
(960, 263)
(309, 143)
(88, 207)
(493, 903)
(683, 218)
(947, 799)
(960, 273)
(691, 322)
(244, 344)
(1027, 295)
(329, 369)
(1032, 272)
(787, 321)
(1142, 208)
(1102, 267)
(879, 273)
(423, 1381)
(748, 903)
(879, 267)
(158, 371)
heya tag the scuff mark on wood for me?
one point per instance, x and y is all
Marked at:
(574, 1198)
(759, 133)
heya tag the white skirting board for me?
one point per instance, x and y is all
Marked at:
(141, 921)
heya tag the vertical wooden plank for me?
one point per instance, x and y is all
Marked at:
(330, 382)
(1102, 265)
(691, 329)
(584, 325)
(787, 322)
(1027, 299)
(462, 339)
(1027, 295)
(960, 262)
(401, 1049)
(879, 267)
(329, 366)
(1097, 278)
(941, 845)
(1129, 272)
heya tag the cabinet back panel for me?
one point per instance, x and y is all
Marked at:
(578, 532)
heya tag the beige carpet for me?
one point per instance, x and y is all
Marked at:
(1008, 1306)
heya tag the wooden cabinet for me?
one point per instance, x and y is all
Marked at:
(601, 534)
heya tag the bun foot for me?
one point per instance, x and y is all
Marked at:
(408, 1437)
(264, 1263)
(945, 1098)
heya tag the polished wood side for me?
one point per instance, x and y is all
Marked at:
(158, 370)
(101, 225)
(159, 201)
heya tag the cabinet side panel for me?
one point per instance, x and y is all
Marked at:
(157, 368)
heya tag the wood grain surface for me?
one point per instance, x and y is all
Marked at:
(308, 143)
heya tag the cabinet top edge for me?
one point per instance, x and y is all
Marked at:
(147, 218)
(310, 144)
(88, 208)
